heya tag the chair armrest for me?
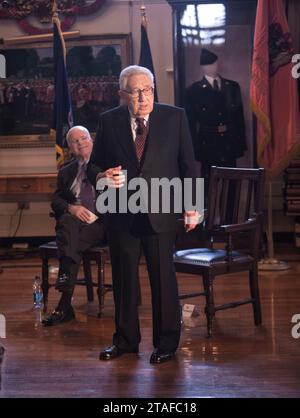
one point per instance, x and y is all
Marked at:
(245, 226)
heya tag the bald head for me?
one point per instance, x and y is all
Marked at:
(80, 142)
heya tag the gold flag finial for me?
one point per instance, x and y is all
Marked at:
(143, 15)
(54, 9)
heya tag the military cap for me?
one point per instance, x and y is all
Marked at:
(207, 57)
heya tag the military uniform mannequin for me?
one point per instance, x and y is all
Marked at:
(215, 112)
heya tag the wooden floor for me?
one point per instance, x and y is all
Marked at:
(239, 361)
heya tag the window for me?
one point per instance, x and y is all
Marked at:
(204, 24)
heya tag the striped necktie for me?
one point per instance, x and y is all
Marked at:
(86, 192)
(141, 136)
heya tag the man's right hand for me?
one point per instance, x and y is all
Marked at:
(80, 212)
(114, 177)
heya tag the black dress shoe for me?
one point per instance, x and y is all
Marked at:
(113, 352)
(159, 356)
(57, 317)
(63, 283)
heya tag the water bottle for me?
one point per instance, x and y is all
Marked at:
(37, 293)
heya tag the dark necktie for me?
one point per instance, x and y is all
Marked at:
(141, 136)
(86, 195)
(216, 85)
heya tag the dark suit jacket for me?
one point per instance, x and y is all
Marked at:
(63, 195)
(169, 153)
(207, 109)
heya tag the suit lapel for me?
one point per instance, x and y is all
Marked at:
(154, 136)
(226, 91)
(124, 134)
(73, 169)
(223, 85)
(205, 84)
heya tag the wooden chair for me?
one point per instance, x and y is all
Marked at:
(2, 351)
(97, 254)
(233, 216)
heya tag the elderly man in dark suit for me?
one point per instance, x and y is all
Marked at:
(148, 140)
(77, 226)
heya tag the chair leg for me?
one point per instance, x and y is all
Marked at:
(254, 290)
(88, 278)
(45, 282)
(139, 293)
(210, 305)
(101, 283)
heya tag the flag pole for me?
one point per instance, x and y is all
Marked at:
(271, 263)
(62, 108)
(143, 15)
(277, 127)
(270, 222)
(145, 59)
(37, 38)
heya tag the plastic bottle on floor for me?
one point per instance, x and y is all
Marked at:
(37, 300)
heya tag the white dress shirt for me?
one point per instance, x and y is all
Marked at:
(211, 81)
(133, 124)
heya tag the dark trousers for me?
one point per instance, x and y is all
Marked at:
(125, 250)
(73, 237)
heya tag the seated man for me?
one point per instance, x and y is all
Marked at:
(77, 227)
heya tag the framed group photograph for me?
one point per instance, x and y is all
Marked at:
(27, 94)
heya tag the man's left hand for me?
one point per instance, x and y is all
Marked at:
(191, 220)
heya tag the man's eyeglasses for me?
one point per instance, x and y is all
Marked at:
(78, 140)
(135, 93)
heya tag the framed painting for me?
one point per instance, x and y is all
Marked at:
(27, 94)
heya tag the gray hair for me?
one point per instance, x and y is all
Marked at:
(81, 128)
(133, 70)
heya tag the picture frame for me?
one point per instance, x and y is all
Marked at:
(226, 29)
(27, 94)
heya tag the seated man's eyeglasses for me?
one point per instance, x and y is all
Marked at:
(147, 91)
(77, 140)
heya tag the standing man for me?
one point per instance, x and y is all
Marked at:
(148, 140)
(77, 229)
(215, 112)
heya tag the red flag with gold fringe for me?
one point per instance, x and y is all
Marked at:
(274, 96)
